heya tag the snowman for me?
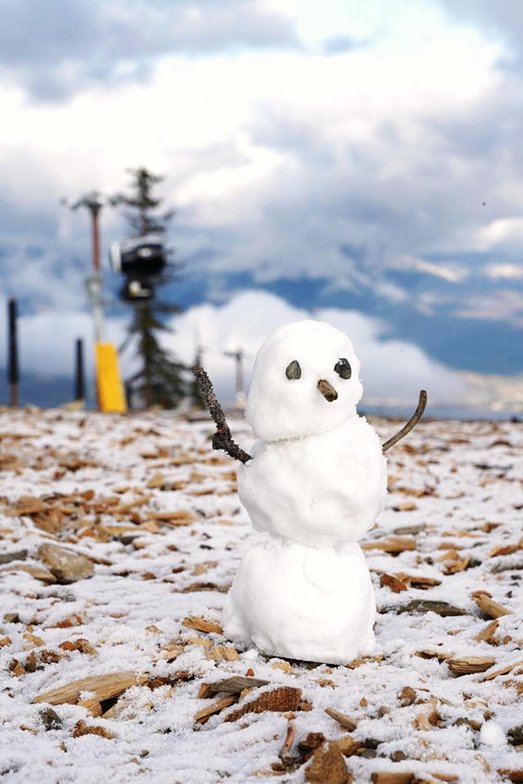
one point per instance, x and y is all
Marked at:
(314, 485)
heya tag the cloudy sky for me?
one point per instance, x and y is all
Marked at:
(360, 160)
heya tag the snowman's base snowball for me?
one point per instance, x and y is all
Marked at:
(301, 602)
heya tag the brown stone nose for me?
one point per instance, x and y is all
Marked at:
(327, 390)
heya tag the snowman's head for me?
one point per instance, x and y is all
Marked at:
(305, 382)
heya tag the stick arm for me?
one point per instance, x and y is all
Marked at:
(222, 439)
(411, 424)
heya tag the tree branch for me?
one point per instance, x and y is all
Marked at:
(413, 421)
(222, 439)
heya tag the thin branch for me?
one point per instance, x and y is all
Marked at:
(288, 760)
(222, 439)
(413, 421)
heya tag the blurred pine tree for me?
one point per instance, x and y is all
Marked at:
(159, 381)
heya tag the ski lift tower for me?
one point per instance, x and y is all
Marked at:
(109, 386)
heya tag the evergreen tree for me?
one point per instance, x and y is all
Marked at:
(159, 380)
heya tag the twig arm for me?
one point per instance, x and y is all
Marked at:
(413, 421)
(222, 439)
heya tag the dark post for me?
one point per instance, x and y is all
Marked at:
(12, 353)
(79, 372)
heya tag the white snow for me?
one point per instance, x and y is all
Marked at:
(455, 493)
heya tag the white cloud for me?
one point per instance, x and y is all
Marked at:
(281, 162)
(501, 233)
(452, 273)
(501, 305)
(393, 371)
(504, 271)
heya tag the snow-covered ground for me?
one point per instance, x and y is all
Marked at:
(156, 512)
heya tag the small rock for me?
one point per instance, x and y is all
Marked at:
(50, 719)
(66, 565)
(515, 735)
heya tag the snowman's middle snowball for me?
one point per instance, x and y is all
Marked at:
(318, 490)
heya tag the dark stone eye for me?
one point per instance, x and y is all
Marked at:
(343, 368)
(293, 370)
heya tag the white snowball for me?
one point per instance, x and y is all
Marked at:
(492, 734)
(320, 489)
(310, 603)
(279, 407)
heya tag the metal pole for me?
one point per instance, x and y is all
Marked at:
(79, 371)
(96, 279)
(12, 352)
(94, 202)
(240, 393)
(95, 230)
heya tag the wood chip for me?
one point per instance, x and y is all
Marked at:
(224, 653)
(454, 562)
(281, 700)
(130, 505)
(204, 714)
(427, 719)
(104, 687)
(92, 705)
(173, 518)
(38, 572)
(311, 742)
(343, 720)
(237, 684)
(393, 582)
(355, 663)
(502, 670)
(470, 664)
(27, 505)
(201, 624)
(396, 777)
(348, 745)
(487, 633)
(81, 728)
(407, 696)
(285, 753)
(488, 606)
(512, 774)
(405, 506)
(171, 651)
(507, 549)
(429, 653)
(157, 480)
(328, 766)
(284, 666)
(394, 544)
